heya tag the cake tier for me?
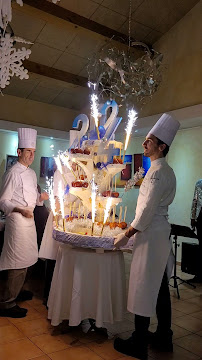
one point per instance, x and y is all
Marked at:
(86, 241)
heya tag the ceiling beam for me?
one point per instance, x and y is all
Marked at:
(55, 73)
(76, 19)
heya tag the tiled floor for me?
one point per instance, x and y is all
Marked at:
(34, 338)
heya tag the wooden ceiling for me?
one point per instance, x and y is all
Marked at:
(65, 36)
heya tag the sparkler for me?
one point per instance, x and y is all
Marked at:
(106, 214)
(58, 164)
(65, 160)
(93, 197)
(125, 211)
(59, 167)
(49, 185)
(132, 117)
(61, 200)
(120, 214)
(95, 112)
(114, 212)
(79, 210)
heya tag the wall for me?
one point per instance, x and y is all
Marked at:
(185, 159)
(36, 113)
(182, 50)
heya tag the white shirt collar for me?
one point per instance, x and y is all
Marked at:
(22, 166)
(158, 161)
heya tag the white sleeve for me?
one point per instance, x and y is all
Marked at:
(38, 202)
(145, 214)
(9, 184)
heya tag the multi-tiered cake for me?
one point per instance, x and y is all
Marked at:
(93, 161)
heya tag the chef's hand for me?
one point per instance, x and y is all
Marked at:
(120, 240)
(27, 213)
(193, 224)
(43, 196)
(24, 212)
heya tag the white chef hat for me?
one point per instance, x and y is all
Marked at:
(165, 129)
(27, 138)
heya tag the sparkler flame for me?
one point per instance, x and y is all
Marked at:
(91, 84)
(107, 209)
(93, 197)
(61, 198)
(94, 108)
(132, 117)
(58, 163)
(49, 185)
(65, 161)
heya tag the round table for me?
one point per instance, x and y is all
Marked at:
(87, 284)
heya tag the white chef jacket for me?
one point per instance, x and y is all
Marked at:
(19, 189)
(152, 247)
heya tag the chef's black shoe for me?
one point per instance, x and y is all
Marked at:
(14, 312)
(131, 348)
(24, 295)
(161, 341)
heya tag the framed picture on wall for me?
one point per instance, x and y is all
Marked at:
(47, 166)
(141, 161)
(126, 173)
(10, 161)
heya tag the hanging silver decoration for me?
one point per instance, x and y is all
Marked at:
(119, 75)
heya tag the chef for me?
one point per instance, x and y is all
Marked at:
(18, 197)
(152, 249)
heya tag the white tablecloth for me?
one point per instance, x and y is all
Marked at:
(86, 285)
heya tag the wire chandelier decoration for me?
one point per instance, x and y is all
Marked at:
(124, 76)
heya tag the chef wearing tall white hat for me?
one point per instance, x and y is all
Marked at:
(18, 198)
(152, 249)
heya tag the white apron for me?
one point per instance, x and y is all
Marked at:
(20, 240)
(152, 249)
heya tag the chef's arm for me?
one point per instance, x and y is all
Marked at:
(43, 196)
(130, 232)
(156, 191)
(6, 193)
(122, 239)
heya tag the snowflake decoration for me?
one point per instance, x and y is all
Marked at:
(6, 12)
(11, 61)
(131, 183)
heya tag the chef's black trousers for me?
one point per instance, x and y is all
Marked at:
(163, 312)
(11, 284)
